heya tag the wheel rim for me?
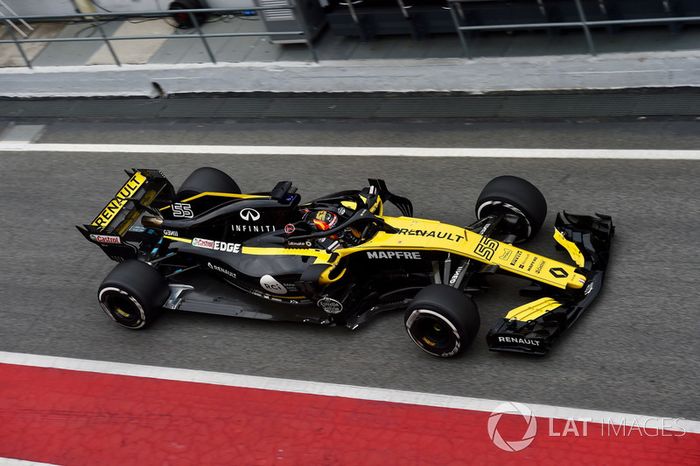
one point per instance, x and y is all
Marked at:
(483, 211)
(433, 333)
(122, 308)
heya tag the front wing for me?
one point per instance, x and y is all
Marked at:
(533, 327)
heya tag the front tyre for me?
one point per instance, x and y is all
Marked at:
(133, 294)
(518, 198)
(442, 321)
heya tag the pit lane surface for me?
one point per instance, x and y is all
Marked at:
(635, 351)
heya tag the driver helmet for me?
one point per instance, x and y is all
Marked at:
(322, 220)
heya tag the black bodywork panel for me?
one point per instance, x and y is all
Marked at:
(173, 235)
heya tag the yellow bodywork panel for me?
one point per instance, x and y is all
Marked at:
(533, 310)
(175, 238)
(117, 203)
(320, 255)
(325, 279)
(416, 234)
(570, 247)
(419, 234)
(378, 207)
(215, 194)
(148, 197)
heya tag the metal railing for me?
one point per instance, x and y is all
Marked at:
(458, 16)
(97, 19)
(4, 7)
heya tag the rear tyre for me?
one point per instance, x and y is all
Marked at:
(133, 294)
(513, 195)
(207, 179)
(442, 321)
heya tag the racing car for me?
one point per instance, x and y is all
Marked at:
(340, 260)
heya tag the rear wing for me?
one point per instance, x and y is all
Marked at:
(145, 191)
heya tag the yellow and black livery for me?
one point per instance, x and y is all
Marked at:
(340, 259)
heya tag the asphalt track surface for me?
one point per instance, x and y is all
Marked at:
(635, 351)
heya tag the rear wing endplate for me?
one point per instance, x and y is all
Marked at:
(145, 190)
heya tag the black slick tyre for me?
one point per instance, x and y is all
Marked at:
(513, 195)
(442, 321)
(207, 179)
(133, 294)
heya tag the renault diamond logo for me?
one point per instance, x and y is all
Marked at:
(250, 215)
(558, 272)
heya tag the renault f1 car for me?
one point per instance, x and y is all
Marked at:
(339, 260)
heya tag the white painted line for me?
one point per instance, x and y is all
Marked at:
(346, 391)
(662, 70)
(627, 154)
(15, 462)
